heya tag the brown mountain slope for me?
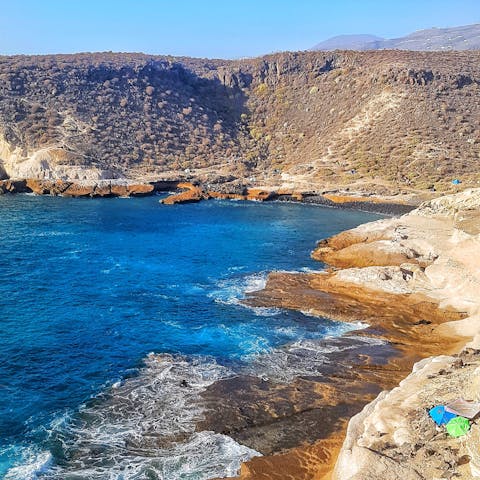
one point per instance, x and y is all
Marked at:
(371, 120)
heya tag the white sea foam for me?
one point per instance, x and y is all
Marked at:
(203, 456)
(53, 233)
(33, 465)
(305, 357)
(311, 270)
(236, 268)
(231, 291)
(144, 427)
(255, 282)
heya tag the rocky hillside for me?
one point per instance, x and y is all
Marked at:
(385, 120)
(466, 37)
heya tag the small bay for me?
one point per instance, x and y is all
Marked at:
(88, 288)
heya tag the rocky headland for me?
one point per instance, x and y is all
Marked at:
(416, 281)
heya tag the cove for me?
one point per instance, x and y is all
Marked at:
(89, 287)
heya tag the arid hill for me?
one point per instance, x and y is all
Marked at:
(381, 120)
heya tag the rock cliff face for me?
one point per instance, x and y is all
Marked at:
(393, 435)
(301, 120)
(415, 281)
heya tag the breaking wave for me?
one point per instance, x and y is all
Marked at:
(311, 357)
(231, 291)
(143, 427)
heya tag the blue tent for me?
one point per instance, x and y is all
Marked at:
(440, 416)
(456, 181)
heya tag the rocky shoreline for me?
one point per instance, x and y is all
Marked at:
(192, 192)
(415, 281)
(99, 189)
(411, 279)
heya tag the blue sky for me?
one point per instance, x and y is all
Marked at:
(212, 28)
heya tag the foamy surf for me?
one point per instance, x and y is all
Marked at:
(309, 357)
(34, 464)
(231, 291)
(203, 456)
(143, 427)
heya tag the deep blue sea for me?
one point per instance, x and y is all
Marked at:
(89, 288)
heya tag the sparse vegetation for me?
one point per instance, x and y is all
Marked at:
(410, 118)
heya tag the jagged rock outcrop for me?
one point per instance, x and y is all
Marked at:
(423, 303)
(191, 194)
(450, 205)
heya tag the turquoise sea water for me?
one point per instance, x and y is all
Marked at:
(88, 288)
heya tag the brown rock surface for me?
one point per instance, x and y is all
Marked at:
(40, 187)
(103, 190)
(195, 193)
(226, 196)
(378, 253)
(82, 189)
(435, 305)
(13, 186)
(363, 247)
(192, 194)
(131, 190)
(73, 190)
(139, 190)
(260, 195)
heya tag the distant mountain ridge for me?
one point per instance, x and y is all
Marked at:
(466, 37)
(349, 42)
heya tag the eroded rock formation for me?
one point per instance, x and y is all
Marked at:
(423, 305)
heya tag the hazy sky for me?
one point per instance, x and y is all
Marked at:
(212, 28)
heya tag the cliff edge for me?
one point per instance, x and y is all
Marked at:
(393, 436)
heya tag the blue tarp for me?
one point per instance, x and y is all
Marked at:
(440, 416)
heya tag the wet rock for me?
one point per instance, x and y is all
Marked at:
(260, 195)
(13, 186)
